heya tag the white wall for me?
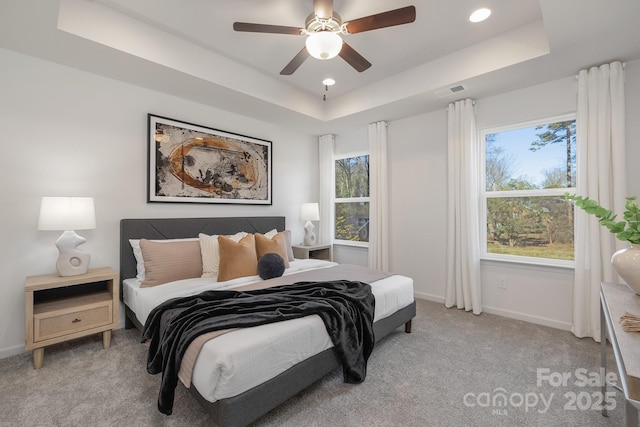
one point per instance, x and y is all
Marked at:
(417, 149)
(67, 132)
(632, 100)
(417, 158)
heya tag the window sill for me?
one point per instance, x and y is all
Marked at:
(364, 245)
(530, 263)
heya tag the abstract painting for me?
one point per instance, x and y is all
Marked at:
(196, 164)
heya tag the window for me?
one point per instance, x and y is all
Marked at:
(351, 199)
(527, 170)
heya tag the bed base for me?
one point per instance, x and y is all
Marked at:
(246, 407)
(130, 320)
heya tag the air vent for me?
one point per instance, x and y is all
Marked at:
(450, 91)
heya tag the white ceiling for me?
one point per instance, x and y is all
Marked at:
(188, 48)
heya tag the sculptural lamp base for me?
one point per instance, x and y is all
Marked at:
(309, 235)
(71, 261)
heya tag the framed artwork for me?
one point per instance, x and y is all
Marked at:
(196, 164)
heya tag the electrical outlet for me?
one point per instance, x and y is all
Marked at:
(502, 284)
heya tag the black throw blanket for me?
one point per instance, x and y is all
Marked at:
(345, 307)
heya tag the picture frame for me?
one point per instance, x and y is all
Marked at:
(190, 163)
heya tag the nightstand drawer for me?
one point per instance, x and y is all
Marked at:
(51, 324)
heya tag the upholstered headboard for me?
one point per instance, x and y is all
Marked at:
(177, 228)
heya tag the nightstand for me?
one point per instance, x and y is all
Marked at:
(324, 252)
(60, 308)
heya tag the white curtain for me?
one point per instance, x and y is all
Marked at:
(325, 161)
(463, 228)
(378, 197)
(600, 133)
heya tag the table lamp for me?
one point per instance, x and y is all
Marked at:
(69, 214)
(309, 212)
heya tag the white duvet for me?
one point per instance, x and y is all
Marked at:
(240, 360)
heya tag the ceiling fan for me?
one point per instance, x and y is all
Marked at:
(323, 28)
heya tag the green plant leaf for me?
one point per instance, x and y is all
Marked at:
(627, 230)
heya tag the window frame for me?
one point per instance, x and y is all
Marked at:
(335, 200)
(549, 192)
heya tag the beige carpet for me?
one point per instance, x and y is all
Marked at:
(445, 373)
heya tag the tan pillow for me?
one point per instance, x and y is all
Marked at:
(237, 259)
(277, 244)
(287, 235)
(137, 253)
(211, 252)
(166, 262)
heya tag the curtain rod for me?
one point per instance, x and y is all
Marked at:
(624, 65)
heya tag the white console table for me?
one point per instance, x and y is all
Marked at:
(615, 299)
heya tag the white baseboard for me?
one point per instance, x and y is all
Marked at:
(565, 326)
(430, 297)
(19, 349)
(11, 351)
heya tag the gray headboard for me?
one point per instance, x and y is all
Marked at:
(178, 228)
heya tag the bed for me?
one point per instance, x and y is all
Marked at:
(239, 401)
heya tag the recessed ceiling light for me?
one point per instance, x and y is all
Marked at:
(480, 15)
(328, 82)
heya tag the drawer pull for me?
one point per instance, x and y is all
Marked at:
(76, 321)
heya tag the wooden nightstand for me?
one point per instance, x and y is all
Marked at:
(324, 252)
(60, 308)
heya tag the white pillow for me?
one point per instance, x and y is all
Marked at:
(137, 253)
(210, 251)
(271, 233)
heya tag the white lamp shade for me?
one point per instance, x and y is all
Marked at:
(324, 44)
(67, 213)
(310, 212)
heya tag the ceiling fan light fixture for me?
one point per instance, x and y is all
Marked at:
(323, 28)
(324, 44)
(328, 81)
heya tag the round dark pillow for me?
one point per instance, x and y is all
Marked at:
(270, 265)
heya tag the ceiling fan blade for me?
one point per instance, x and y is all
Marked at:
(265, 28)
(295, 63)
(404, 15)
(353, 58)
(323, 9)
